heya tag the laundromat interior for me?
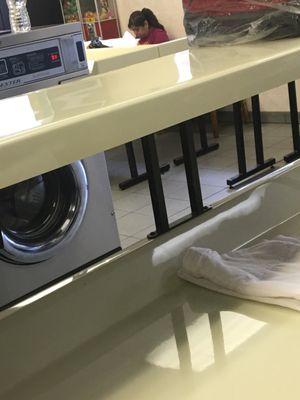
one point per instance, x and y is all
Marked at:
(149, 199)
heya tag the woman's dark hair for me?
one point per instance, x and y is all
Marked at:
(138, 18)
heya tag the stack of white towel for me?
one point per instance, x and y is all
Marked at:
(268, 272)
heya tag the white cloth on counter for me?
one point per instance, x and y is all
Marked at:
(267, 272)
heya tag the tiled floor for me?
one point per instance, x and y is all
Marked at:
(133, 206)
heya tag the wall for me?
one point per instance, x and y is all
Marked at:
(277, 100)
(169, 13)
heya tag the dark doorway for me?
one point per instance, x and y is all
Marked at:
(44, 12)
(4, 19)
(41, 12)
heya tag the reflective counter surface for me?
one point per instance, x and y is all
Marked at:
(53, 127)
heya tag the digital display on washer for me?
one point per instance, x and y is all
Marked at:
(30, 63)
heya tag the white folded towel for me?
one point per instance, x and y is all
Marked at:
(268, 272)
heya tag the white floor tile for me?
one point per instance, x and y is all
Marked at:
(277, 130)
(133, 223)
(271, 140)
(142, 188)
(227, 143)
(132, 202)
(147, 210)
(117, 194)
(287, 142)
(142, 234)
(208, 190)
(216, 177)
(218, 196)
(216, 162)
(120, 213)
(173, 207)
(176, 206)
(129, 241)
(176, 190)
(176, 174)
(278, 152)
(228, 153)
(180, 215)
(123, 237)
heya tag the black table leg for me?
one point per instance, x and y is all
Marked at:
(239, 137)
(155, 186)
(131, 159)
(240, 144)
(155, 182)
(257, 126)
(191, 167)
(259, 147)
(294, 122)
(135, 176)
(205, 147)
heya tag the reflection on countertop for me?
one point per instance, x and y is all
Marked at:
(189, 344)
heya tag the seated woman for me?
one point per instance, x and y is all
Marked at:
(146, 27)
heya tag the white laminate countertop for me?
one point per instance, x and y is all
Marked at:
(53, 127)
(109, 59)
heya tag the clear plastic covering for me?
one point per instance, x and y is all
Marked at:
(222, 22)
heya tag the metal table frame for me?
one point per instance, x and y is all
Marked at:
(190, 155)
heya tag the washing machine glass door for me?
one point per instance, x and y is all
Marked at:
(39, 216)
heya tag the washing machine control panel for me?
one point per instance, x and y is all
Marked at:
(39, 63)
(27, 65)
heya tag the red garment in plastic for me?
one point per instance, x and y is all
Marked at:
(228, 7)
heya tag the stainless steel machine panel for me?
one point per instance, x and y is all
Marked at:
(41, 58)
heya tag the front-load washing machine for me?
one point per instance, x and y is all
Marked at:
(53, 225)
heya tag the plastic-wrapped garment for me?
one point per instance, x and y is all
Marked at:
(222, 22)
